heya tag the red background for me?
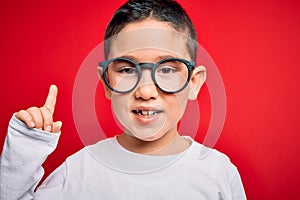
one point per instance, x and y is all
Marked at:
(255, 45)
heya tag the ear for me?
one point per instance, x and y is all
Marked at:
(106, 89)
(197, 80)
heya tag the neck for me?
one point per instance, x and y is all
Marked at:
(170, 143)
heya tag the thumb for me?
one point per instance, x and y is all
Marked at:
(56, 127)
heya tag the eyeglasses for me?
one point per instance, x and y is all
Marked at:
(170, 75)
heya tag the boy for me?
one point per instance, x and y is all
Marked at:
(149, 74)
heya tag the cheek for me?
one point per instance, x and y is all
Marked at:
(176, 105)
(120, 105)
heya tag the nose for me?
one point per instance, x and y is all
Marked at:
(146, 88)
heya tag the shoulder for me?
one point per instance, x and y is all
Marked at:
(212, 161)
(212, 169)
(203, 152)
(89, 153)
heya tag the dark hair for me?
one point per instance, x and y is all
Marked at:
(163, 10)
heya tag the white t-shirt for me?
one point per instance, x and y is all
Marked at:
(108, 171)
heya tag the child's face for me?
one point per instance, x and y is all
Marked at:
(147, 113)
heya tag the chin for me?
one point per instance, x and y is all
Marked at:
(149, 137)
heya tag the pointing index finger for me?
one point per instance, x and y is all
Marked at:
(51, 98)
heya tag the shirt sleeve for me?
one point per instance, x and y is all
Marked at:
(232, 180)
(237, 189)
(21, 160)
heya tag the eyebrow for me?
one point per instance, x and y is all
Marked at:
(158, 58)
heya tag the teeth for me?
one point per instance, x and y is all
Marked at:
(150, 112)
(146, 112)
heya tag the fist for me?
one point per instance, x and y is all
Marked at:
(42, 117)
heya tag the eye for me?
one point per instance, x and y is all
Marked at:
(128, 70)
(123, 67)
(166, 70)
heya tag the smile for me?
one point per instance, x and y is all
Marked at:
(145, 113)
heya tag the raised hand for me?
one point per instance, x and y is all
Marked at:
(42, 118)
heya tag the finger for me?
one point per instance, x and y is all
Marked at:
(36, 116)
(47, 117)
(51, 98)
(56, 127)
(25, 117)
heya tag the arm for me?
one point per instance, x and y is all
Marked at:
(26, 147)
(23, 153)
(237, 189)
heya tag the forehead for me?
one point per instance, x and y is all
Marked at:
(144, 38)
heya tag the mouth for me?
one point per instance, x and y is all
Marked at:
(146, 113)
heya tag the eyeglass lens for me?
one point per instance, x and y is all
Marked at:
(170, 76)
